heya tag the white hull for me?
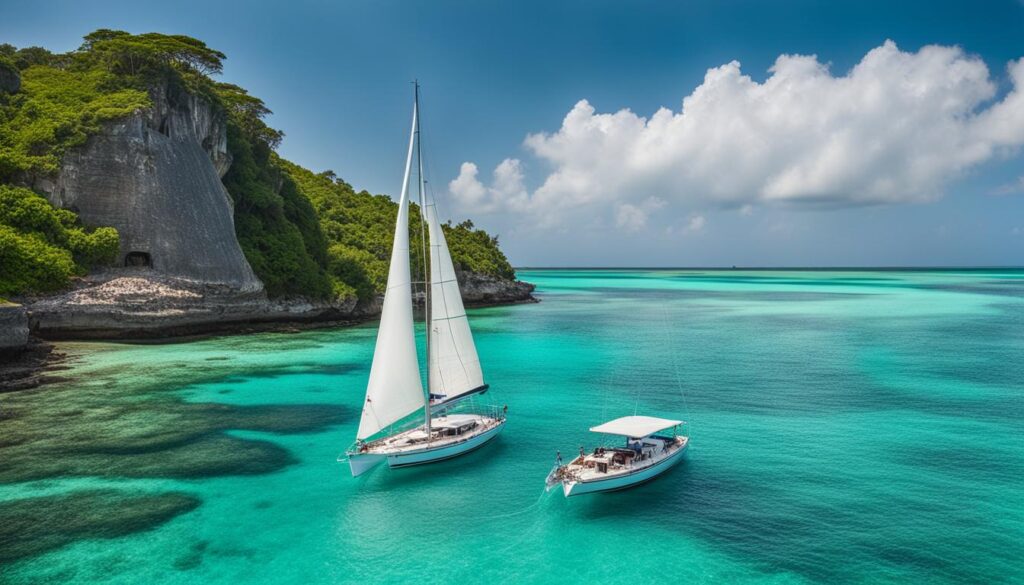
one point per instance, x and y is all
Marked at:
(627, 480)
(360, 463)
(434, 454)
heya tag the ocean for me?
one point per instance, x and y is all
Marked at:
(845, 427)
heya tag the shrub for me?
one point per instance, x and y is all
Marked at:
(42, 247)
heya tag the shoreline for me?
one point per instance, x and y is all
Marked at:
(36, 365)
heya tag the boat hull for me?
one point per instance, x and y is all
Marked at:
(435, 454)
(360, 463)
(625, 481)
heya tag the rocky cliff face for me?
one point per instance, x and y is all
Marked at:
(13, 328)
(480, 289)
(155, 176)
(153, 307)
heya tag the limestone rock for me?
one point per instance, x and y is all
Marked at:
(481, 289)
(155, 176)
(149, 305)
(13, 328)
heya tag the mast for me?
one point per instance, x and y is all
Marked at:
(423, 244)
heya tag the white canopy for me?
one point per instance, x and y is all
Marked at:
(453, 421)
(635, 426)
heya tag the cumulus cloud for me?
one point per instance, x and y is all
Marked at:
(630, 217)
(468, 190)
(896, 128)
(506, 190)
(633, 218)
(696, 223)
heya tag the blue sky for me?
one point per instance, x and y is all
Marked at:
(785, 177)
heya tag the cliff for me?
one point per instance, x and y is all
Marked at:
(482, 290)
(13, 328)
(153, 306)
(25, 362)
(155, 177)
(214, 230)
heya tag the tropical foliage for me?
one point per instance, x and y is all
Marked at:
(41, 247)
(303, 233)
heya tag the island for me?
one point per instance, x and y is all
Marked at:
(142, 198)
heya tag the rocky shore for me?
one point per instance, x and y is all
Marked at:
(154, 306)
(150, 306)
(481, 290)
(25, 361)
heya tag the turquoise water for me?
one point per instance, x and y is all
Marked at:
(845, 427)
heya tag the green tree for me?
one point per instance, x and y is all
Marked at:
(42, 247)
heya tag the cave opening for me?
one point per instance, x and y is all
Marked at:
(138, 260)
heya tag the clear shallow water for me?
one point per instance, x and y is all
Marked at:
(846, 427)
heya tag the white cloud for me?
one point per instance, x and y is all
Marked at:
(467, 189)
(896, 128)
(696, 223)
(506, 190)
(633, 218)
(630, 218)
(1010, 188)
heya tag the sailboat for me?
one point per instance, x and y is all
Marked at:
(395, 389)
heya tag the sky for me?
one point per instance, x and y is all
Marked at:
(610, 133)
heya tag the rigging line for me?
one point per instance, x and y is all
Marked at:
(675, 369)
(444, 297)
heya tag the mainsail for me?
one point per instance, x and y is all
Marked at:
(395, 389)
(453, 362)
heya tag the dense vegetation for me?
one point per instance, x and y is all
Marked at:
(42, 247)
(303, 233)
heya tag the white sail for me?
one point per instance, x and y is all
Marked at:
(395, 389)
(454, 365)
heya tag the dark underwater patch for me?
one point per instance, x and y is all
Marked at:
(61, 432)
(193, 558)
(999, 288)
(335, 369)
(33, 526)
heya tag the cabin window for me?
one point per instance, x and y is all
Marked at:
(138, 260)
